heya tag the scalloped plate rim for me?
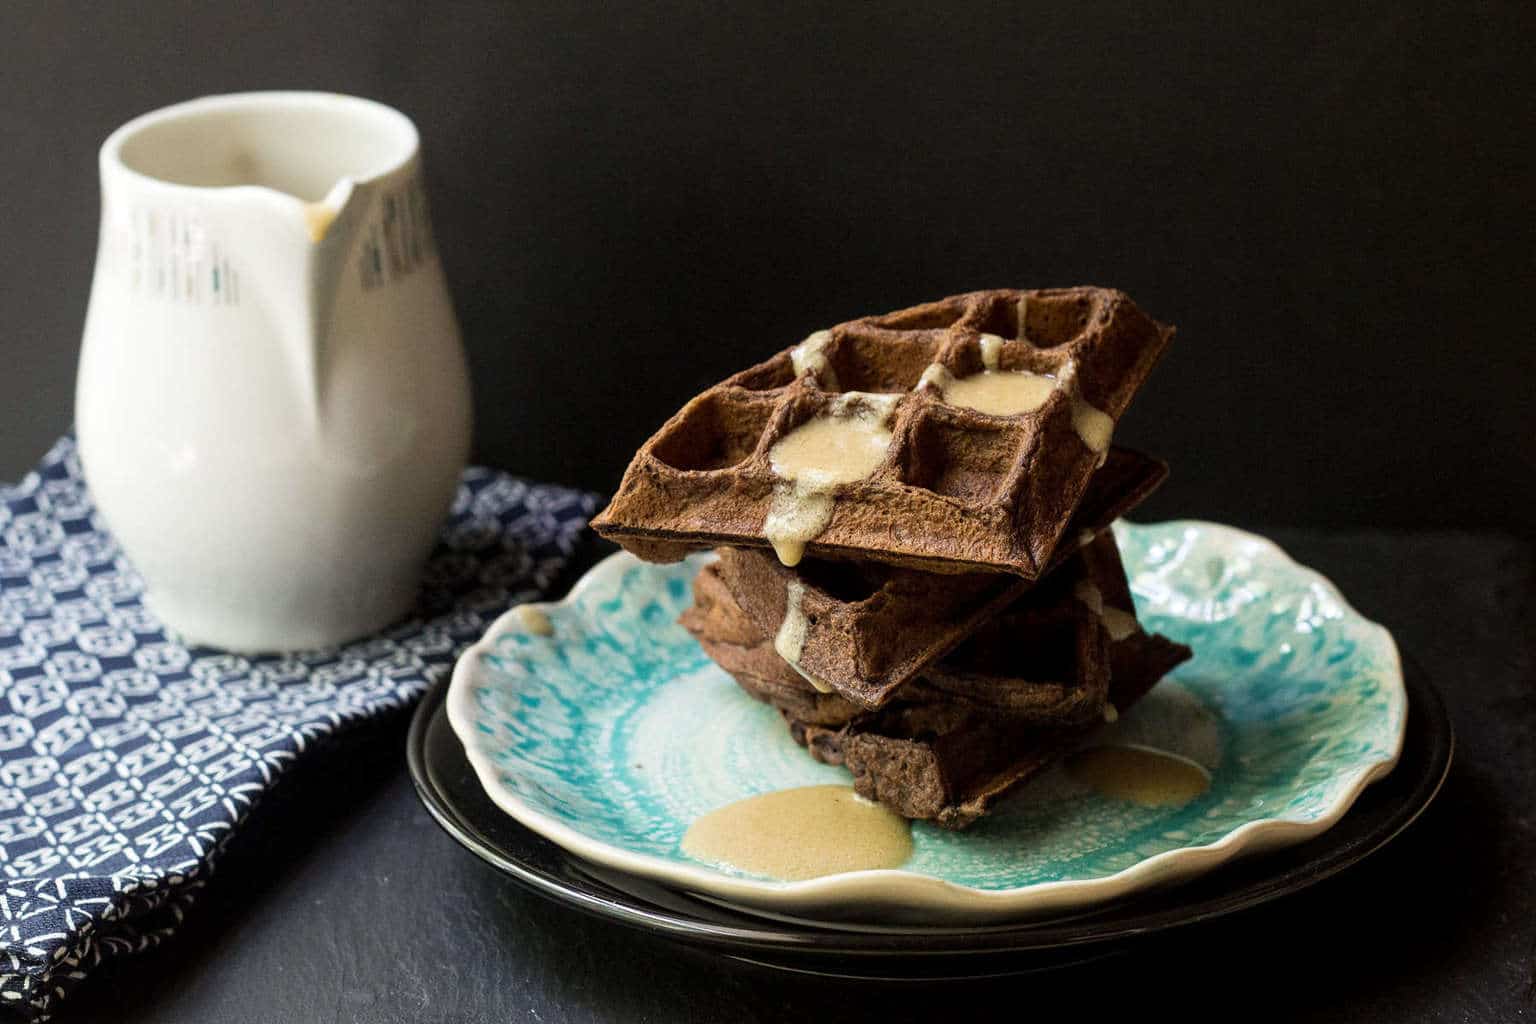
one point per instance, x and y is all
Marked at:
(896, 887)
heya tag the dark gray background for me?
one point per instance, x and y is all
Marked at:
(1332, 202)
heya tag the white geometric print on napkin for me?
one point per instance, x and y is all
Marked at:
(127, 760)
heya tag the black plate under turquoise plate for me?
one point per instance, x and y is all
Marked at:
(451, 792)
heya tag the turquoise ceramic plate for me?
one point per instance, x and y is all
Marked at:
(611, 735)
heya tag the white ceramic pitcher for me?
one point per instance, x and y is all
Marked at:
(272, 406)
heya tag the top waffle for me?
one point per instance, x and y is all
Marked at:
(917, 479)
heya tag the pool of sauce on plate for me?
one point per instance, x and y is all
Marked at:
(535, 621)
(795, 834)
(1151, 778)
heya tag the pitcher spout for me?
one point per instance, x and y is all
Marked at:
(324, 251)
(319, 216)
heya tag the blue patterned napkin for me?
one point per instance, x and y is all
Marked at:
(128, 760)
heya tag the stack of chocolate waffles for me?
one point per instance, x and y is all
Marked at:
(912, 517)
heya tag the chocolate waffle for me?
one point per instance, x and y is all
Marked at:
(865, 628)
(1045, 659)
(948, 763)
(1043, 665)
(953, 489)
(733, 641)
(1020, 692)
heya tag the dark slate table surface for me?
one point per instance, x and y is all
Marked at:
(347, 903)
